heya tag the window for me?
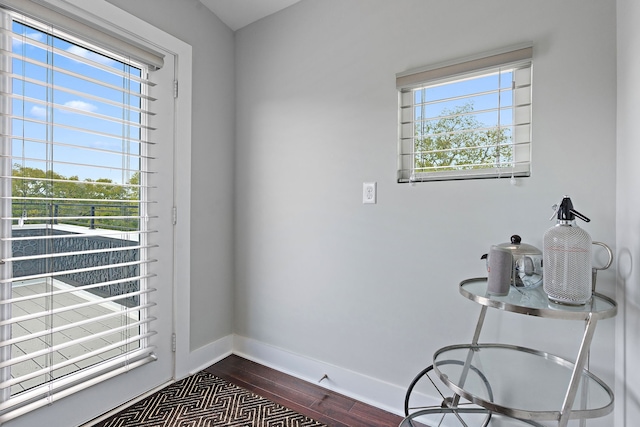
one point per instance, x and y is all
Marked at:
(75, 222)
(465, 120)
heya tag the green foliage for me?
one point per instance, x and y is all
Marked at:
(459, 141)
(92, 200)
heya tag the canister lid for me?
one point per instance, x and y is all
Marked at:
(516, 247)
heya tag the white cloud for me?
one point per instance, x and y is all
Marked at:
(36, 36)
(106, 145)
(81, 105)
(38, 112)
(77, 50)
(17, 42)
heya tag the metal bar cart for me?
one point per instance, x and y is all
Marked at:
(487, 379)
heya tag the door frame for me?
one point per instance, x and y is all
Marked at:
(90, 403)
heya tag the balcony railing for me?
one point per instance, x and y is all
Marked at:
(91, 215)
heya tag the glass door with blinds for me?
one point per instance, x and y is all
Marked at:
(79, 224)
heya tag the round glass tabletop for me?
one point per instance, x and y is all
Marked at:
(535, 302)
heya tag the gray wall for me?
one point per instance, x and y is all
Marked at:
(212, 159)
(628, 215)
(373, 288)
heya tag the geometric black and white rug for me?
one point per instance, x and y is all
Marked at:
(204, 400)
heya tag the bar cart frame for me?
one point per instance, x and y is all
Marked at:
(454, 364)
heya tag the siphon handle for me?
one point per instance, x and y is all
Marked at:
(594, 270)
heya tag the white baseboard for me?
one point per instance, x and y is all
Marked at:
(209, 354)
(366, 389)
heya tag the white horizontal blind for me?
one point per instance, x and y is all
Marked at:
(465, 120)
(75, 25)
(74, 223)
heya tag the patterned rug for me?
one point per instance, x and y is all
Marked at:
(204, 400)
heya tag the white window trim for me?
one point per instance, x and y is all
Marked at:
(107, 15)
(104, 15)
(445, 72)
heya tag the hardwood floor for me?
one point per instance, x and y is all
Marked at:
(306, 398)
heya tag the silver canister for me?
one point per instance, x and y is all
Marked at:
(499, 271)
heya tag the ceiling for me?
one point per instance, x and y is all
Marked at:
(239, 13)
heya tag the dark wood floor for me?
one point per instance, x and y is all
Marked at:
(306, 398)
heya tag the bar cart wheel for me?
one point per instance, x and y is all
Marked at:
(426, 380)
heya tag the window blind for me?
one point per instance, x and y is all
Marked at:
(77, 26)
(74, 214)
(466, 119)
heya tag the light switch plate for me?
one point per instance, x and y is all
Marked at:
(369, 192)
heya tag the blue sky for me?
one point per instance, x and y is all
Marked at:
(81, 123)
(480, 91)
